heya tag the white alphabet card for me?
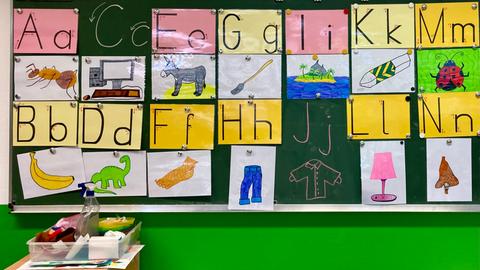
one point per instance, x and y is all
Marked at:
(117, 173)
(183, 76)
(179, 174)
(46, 78)
(113, 78)
(449, 170)
(252, 178)
(383, 172)
(50, 171)
(383, 71)
(248, 76)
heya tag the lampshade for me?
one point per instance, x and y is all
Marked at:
(383, 166)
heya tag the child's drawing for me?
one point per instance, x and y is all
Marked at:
(448, 70)
(449, 170)
(313, 76)
(181, 76)
(113, 78)
(383, 71)
(179, 174)
(252, 178)
(249, 76)
(121, 173)
(46, 78)
(50, 171)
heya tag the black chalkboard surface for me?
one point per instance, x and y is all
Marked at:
(328, 143)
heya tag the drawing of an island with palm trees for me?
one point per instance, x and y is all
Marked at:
(310, 77)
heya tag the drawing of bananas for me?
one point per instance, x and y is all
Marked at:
(47, 181)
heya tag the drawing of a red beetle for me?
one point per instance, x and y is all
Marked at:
(450, 76)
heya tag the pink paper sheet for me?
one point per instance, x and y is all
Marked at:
(45, 31)
(324, 31)
(183, 31)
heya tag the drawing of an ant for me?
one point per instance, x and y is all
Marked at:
(65, 79)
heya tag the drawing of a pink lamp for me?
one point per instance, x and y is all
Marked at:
(383, 170)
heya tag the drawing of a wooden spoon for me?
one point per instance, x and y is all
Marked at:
(241, 85)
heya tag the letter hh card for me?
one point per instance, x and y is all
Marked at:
(316, 31)
(52, 123)
(112, 126)
(382, 26)
(48, 172)
(378, 117)
(446, 24)
(183, 76)
(46, 77)
(183, 31)
(250, 31)
(45, 31)
(181, 126)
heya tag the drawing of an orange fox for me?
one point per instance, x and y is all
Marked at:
(177, 175)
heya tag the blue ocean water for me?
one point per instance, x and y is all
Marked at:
(302, 90)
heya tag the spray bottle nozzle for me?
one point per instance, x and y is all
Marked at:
(87, 188)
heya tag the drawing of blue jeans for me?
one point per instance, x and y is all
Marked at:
(252, 176)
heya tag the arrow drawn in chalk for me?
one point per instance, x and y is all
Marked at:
(92, 16)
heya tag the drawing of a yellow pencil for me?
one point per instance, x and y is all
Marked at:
(386, 70)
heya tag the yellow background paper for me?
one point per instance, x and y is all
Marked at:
(174, 135)
(251, 25)
(115, 116)
(451, 104)
(270, 110)
(376, 28)
(454, 13)
(62, 112)
(368, 116)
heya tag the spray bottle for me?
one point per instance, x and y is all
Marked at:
(88, 221)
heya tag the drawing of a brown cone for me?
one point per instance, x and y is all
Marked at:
(446, 177)
(177, 175)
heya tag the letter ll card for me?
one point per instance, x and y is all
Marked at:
(50, 171)
(179, 174)
(46, 78)
(383, 71)
(383, 172)
(113, 78)
(117, 173)
(252, 178)
(449, 170)
(183, 76)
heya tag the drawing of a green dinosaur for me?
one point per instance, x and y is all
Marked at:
(114, 173)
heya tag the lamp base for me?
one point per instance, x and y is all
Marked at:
(383, 197)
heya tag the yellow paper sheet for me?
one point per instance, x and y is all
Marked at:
(249, 31)
(382, 26)
(173, 126)
(446, 24)
(261, 122)
(112, 126)
(449, 115)
(378, 117)
(52, 123)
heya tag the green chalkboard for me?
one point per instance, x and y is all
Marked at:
(328, 134)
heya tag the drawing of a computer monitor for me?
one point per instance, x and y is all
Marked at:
(117, 71)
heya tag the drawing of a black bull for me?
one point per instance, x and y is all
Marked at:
(185, 75)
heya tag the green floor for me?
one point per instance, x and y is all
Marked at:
(287, 240)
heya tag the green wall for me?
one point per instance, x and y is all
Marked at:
(286, 240)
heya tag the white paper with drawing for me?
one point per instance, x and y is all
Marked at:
(242, 76)
(252, 178)
(49, 172)
(179, 174)
(113, 78)
(115, 174)
(383, 71)
(449, 170)
(46, 78)
(183, 76)
(383, 172)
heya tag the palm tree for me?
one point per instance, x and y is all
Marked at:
(303, 67)
(331, 72)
